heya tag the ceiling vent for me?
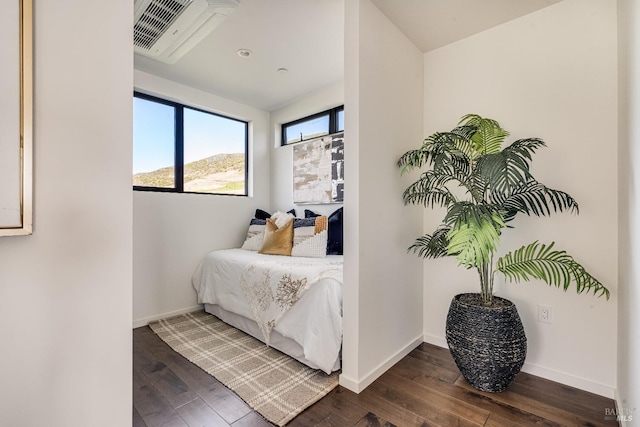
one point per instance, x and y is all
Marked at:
(167, 29)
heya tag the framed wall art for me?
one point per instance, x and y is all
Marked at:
(318, 170)
(16, 110)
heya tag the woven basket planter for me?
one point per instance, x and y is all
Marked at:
(487, 343)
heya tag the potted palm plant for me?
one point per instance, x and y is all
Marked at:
(484, 332)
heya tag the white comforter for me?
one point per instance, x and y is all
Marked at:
(314, 321)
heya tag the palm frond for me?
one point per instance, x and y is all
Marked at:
(489, 135)
(452, 159)
(468, 212)
(509, 169)
(435, 148)
(474, 232)
(534, 198)
(449, 149)
(429, 190)
(464, 131)
(432, 246)
(463, 142)
(458, 166)
(413, 159)
(479, 184)
(526, 147)
(556, 268)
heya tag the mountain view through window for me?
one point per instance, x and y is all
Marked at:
(182, 149)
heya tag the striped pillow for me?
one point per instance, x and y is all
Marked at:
(255, 235)
(310, 237)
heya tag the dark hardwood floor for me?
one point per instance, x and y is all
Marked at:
(423, 389)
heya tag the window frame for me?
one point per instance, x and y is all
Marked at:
(333, 124)
(178, 138)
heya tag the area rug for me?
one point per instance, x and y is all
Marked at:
(272, 383)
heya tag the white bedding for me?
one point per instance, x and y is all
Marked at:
(314, 321)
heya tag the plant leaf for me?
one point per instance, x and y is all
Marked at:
(413, 159)
(432, 246)
(488, 137)
(436, 149)
(509, 169)
(534, 198)
(429, 190)
(474, 232)
(556, 268)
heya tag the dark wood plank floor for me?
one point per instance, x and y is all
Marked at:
(423, 389)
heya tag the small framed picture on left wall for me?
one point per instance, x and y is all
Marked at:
(16, 111)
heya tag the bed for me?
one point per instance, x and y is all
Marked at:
(293, 304)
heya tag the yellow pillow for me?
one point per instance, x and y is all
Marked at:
(277, 241)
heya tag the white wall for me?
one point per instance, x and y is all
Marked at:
(173, 232)
(282, 157)
(65, 291)
(550, 74)
(628, 390)
(383, 119)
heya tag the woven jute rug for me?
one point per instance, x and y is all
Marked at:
(272, 383)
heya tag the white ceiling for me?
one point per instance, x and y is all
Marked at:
(431, 24)
(307, 38)
(304, 36)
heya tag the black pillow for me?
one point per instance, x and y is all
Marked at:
(335, 236)
(310, 214)
(260, 214)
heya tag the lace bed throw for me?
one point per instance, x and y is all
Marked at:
(272, 287)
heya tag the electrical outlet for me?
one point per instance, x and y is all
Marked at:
(544, 313)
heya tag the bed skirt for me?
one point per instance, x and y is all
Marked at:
(276, 340)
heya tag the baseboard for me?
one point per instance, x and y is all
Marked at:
(435, 340)
(357, 386)
(550, 374)
(570, 380)
(146, 320)
(349, 383)
(625, 414)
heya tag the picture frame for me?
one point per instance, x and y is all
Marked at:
(318, 170)
(16, 118)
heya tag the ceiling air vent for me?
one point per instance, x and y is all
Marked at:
(167, 29)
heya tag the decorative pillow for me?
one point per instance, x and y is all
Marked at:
(281, 218)
(335, 235)
(255, 235)
(277, 240)
(310, 237)
(260, 214)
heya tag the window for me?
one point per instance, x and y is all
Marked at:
(185, 150)
(320, 124)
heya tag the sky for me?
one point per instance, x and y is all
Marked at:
(313, 127)
(316, 126)
(205, 135)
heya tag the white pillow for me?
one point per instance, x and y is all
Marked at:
(281, 218)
